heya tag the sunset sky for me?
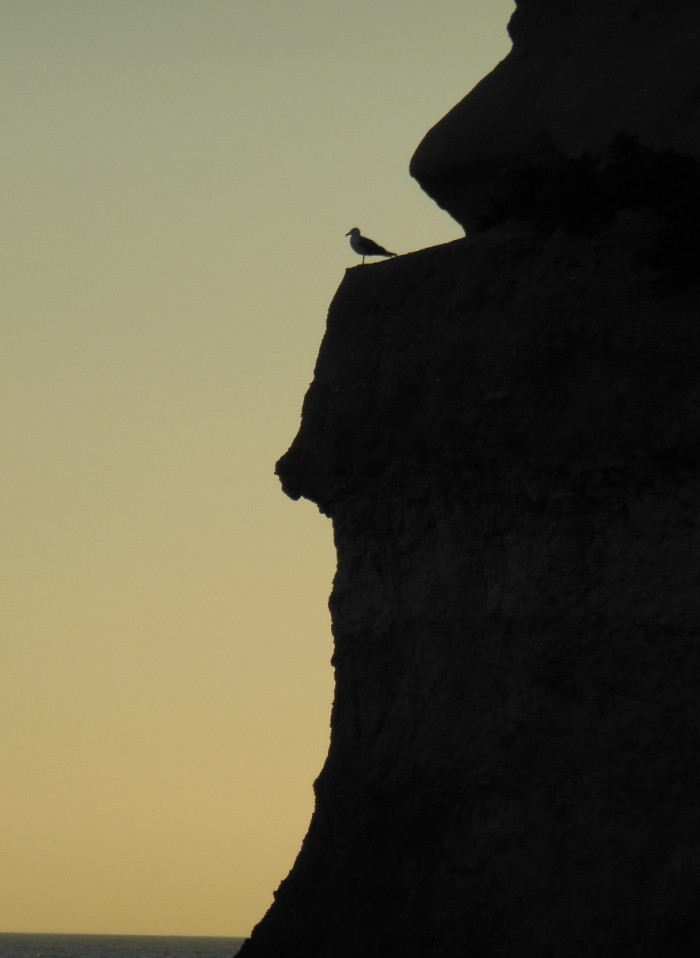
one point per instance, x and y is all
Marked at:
(177, 178)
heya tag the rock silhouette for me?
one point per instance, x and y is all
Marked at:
(505, 432)
(578, 75)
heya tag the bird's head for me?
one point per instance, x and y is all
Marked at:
(353, 232)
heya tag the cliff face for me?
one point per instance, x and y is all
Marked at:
(505, 432)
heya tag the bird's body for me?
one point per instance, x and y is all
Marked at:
(364, 246)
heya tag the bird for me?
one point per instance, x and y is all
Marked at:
(364, 246)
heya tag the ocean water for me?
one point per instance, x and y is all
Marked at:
(115, 946)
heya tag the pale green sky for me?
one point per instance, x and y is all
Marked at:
(176, 180)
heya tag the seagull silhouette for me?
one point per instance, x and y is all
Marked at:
(364, 246)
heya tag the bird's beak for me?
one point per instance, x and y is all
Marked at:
(348, 232)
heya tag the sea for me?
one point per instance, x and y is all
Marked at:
(115, 946)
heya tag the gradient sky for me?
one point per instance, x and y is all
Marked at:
(177, 177)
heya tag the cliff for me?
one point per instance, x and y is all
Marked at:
(505, 432)
(579, 74)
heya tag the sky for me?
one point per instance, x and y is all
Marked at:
(176, 179)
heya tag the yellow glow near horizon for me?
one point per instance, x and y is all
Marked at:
(177, 180)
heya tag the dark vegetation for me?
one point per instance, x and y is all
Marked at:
(585, 194)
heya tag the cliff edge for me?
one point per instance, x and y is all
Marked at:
(505, 432)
